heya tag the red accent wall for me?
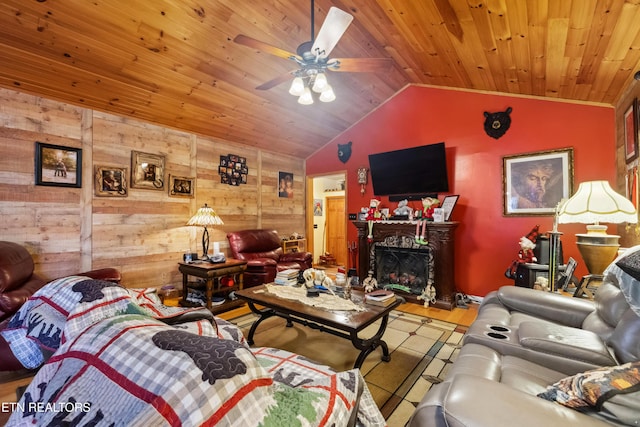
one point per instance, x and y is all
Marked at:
(486, 240)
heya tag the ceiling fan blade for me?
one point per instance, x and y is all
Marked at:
(360, 65)
(264, 47)
(334, 26)
(275, 82)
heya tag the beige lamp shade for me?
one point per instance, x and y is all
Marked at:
(205, 216)
(595, 202)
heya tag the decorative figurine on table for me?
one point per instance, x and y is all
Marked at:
(373, 214)
(423, 216)
(370, 283)
(525, 254)
(403, 208)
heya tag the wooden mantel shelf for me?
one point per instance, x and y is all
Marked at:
(441, 241)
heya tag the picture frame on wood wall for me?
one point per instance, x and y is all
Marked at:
(58, 166)
(111, 181)
(631, 131)
(147, 171)
(181, 186)
(534, 183)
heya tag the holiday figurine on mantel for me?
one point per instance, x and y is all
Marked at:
(426, 214)
(373, 214)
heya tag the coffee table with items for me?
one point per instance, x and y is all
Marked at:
(341, 322)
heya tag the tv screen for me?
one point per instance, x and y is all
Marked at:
(412, 171)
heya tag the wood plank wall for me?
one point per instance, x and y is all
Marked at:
(68, 230)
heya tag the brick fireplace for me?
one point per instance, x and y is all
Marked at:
(400, 235)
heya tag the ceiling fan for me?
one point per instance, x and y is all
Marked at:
(312, 58)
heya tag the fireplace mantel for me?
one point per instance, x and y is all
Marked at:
(441, 241)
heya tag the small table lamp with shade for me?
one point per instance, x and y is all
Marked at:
(593, 203)
(205, 216)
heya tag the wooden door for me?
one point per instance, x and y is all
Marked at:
(336, 229)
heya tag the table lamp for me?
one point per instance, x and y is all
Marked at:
(593, 203)
(204, 217)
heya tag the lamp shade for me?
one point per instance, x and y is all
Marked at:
(595, 202)
(205, 216)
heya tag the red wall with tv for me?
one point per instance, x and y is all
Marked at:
(486, 240)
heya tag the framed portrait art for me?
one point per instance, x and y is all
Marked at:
(181, 186)
(111, 181)
(58, 166)
(631, 132)
(147, 170)
(534, 183)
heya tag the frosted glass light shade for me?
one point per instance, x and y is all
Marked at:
(595, 202)
(297, 87)
(327, 94)
(320, 83)
(306, 98)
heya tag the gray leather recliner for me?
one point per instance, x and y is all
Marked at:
(524, 341)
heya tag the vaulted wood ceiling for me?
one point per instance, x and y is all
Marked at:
(174, 62)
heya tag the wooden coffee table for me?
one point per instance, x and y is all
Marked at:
(344, 324)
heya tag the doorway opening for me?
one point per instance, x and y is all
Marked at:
(327, 218)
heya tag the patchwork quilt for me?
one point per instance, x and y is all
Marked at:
(116, 357)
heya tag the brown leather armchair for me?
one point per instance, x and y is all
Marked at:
(264, 255)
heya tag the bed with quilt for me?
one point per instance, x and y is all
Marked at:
(111, 356)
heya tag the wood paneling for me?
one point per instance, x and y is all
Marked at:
(175, 63)
(68, 230)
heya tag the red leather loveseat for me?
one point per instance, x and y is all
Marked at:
(264, 255)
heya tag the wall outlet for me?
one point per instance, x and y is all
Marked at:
(353, 217)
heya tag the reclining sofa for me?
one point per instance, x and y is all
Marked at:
(534, 358)
(262, 249)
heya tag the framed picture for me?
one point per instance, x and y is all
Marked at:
(317, 207)
(110, 181)
(58, 166)
(631, 132)
(534, 183)
(233, 169)
(448, 204)
(147, 171)
(285, 184)
(181, 186)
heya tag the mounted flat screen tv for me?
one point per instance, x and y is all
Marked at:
(417, 171)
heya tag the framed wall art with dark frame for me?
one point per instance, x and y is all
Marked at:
(147, 170)
(111, 181)
(58, 166)
(631, 132)
(181, 186)
(448, 204)
(233, 169)
(534, 183)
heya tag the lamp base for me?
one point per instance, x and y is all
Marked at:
(598, 250)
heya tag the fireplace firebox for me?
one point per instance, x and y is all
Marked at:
(440, 249)
(404, 269)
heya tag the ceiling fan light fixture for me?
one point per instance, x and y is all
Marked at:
(327, 94)
(297, 87)
(320, 83)
(306, 98)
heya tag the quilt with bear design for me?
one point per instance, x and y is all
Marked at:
(110, 360)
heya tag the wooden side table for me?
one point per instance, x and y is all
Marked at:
(213, 273)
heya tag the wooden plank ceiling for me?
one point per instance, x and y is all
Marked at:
(174, 62)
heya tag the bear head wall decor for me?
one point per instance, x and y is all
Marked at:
(344, 152)
(497, 124)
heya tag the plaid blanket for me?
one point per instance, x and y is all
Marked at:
(113, 359)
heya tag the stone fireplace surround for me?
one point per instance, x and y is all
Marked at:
(441, 244)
